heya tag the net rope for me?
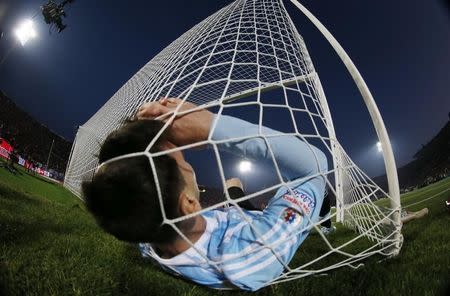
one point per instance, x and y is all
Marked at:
(235, 58)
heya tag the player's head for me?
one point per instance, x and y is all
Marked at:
(123, 196)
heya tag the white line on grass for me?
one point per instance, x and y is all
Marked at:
(433, 196)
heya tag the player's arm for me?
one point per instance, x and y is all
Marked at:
(295, 158)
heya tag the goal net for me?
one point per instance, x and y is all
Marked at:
(249, 60)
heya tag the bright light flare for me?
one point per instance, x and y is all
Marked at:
(380, 148)
(25, 32)
(245, 166)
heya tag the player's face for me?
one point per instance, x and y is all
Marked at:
(186, 170)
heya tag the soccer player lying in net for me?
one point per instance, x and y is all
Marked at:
(235, 252)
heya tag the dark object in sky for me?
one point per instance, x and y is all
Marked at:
(53, 13)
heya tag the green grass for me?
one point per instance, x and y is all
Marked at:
(49, 245)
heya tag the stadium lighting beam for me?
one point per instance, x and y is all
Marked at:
(25, 31)
(245, 166)
(380, 148)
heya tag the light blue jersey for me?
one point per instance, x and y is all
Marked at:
(249, 252)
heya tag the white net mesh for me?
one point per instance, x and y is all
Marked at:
(248, 60)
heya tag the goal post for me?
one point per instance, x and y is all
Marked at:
(388, 155)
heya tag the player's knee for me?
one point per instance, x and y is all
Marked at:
(322, 162)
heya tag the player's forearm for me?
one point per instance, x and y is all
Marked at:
(294, 157)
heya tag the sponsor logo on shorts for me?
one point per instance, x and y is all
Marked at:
(301, 200)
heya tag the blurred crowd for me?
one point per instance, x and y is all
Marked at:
(32, 141)
(428, 180)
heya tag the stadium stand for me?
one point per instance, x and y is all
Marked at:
(431, 163)
(31, 141)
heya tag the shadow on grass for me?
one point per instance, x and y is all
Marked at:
(24, 219)
(8, 193)
(3, 271)
(16, 232)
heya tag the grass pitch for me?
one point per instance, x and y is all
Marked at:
(49, 245)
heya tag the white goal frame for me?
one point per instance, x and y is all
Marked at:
(380, 128)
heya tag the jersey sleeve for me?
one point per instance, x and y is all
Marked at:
(257, 252)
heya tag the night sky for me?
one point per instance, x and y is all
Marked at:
(402, 49)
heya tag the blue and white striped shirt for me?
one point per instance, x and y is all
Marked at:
(249, 249)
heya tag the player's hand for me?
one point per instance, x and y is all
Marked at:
(152, 110)
(185, 129)
(234, 182)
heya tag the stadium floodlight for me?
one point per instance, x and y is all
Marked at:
(25, 31)
(379, 147)
(245, 166)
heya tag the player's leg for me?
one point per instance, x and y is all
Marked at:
(326, 227)
(325, 210)
(409, 216)
(236, 190)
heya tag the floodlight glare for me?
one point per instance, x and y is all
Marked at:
(380, 149)
(245, 166)
(25, 32)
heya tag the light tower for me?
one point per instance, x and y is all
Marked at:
(25, 31)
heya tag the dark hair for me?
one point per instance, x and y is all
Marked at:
(122, 195)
